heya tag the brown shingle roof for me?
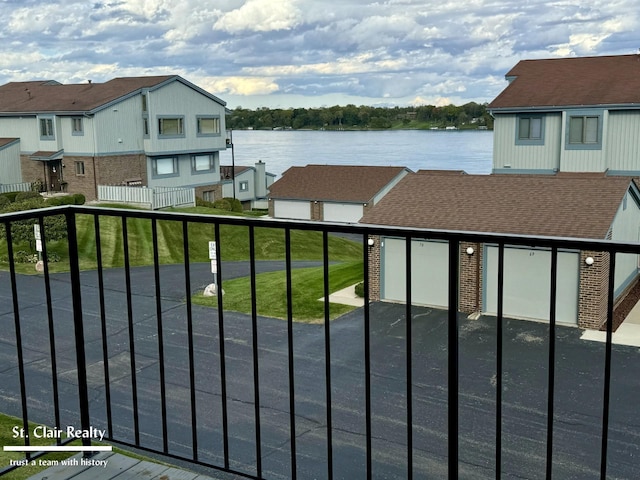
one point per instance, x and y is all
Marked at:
(518, 204)
(7, 141)
(607, 80)
(51, 96)
(339, 183)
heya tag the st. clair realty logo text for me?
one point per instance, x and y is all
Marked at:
(42, 431)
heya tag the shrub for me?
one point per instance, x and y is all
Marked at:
(11, 196)
(26, 196)
(79, 199)
(203, 203)
(4, 201)
(360, 289)
(228, 203)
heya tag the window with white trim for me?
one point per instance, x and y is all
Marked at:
(244, 186)
(79, 168)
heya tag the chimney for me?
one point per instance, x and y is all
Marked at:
(260, 180)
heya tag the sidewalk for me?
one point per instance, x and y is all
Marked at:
(627, 334)
(108, 465)
(346, 296)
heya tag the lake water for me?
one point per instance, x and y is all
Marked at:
(469, 150)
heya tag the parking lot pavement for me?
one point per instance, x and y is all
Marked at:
(579, 369)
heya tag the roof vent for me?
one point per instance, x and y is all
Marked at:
(28, 92)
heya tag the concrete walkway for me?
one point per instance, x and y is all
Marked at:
(627, 334)
(108, 465)
(346, 296)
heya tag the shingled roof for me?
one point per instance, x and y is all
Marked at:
(50, 96)
(582, 81)
(338, 183)
(563, 206)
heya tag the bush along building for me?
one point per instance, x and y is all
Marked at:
(141, 131)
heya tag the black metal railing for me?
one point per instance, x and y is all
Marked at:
(193, 408)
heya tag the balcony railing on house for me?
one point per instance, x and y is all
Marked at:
(153, 198)
(389, 390)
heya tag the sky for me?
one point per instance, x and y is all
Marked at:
(309, 53)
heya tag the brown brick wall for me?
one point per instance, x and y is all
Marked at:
(216, 188)
(32, 170)
(80, 183)
(374, 269)
(271, 208)
(114, 170)
(317, 211)
(470, 299)
(592, 308)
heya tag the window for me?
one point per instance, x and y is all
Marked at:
(584, 130)
(208, 126)
(145, 127)
(209, 196)
(46, 129)
(171, 126)
(76, 126)
(530, 130)
(79, 168)
(202, 163)
(144, 102)
(244, 186)
(165, 166)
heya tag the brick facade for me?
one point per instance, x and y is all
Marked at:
(374, 269)
(111, 170)
(592, 307)
(216, 189)
(317, 211)
(471, 271)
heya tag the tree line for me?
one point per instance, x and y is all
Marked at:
(470, 115)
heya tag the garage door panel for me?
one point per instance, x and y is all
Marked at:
(342, 212)
(527, 284)
(429, 272)
(299, 210)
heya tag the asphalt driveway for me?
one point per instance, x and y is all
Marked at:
(578, 399)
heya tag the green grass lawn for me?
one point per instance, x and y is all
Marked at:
(307, 285)
(7, 424)
(234, 243)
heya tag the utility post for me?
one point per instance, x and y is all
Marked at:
(233, 162)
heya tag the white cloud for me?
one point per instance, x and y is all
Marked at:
(260, 16)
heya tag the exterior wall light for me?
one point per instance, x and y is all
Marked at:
(370, 242)
(470, 250)
(589, 261)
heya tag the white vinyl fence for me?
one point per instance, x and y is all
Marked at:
(15, 187)
(152, 197)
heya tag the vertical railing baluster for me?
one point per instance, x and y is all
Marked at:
(327, 352)
(163, 387)
(367, 357)
(552, 359)
(254, 347)
(192, 369)
(52, 336)
(607, 365)
(499, 335)
(132, 350)
(408, 320)
(292, 398)
(453, 358)
(16, 317)
(76, 296)
(103, 325)
(223, 369)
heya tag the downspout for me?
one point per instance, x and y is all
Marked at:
(95, 150)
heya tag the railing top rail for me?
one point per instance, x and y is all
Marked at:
(360, 229)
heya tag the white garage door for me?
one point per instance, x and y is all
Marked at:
(429, 272)
(342, 212)
(527, 284)
(295, 209)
